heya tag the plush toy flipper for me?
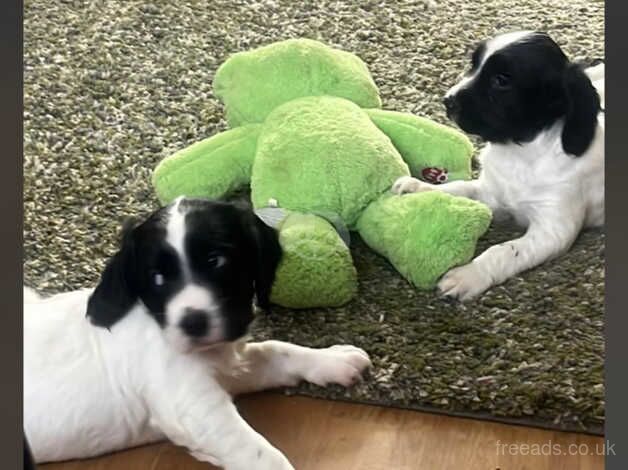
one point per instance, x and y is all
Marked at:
(210, 168)
(316, 268)
(424, 234)
(253, 83)
(427, 146)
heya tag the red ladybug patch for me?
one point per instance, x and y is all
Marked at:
(435, 175)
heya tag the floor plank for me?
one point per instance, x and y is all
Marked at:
(325, 435)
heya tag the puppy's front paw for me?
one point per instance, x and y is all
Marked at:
(265, 457)
(273, 459)
(408, 184)
(464, 282)
(340, 364)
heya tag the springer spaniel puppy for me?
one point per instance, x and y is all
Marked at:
(544, 161)
(156, 350)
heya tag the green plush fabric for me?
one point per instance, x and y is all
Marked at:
(307, 144)
(323, 154)
(424, 234)
(316, 268)
(211, 168)
(424, 143)
(253, 83)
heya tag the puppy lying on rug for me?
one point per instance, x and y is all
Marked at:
(157, 350)
(544, 161)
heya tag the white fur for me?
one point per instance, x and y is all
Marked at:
(176, 233)
(88, 390)
(596, 74)
(551, 193)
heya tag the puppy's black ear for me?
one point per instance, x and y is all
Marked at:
(116, 292)
(583, 106)
(268, 257)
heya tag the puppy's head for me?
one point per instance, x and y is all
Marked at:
(195, 265)
(519, 84)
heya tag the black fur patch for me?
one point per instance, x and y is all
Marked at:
(148, 269)
(523, 89)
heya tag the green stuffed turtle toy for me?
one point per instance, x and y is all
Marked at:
(308, 135)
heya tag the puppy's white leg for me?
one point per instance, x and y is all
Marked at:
(407, 184)
(596, 72)
(549, 236)
(30, 296)
(274, 363)
(195, 412)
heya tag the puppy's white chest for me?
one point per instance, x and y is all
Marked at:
(518, 178)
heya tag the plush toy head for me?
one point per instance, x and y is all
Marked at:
(253, 83)
(310, 138)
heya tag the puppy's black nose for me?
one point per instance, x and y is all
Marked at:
(195, 323)
(451, 104)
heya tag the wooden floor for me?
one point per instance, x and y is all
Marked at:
(325, 435)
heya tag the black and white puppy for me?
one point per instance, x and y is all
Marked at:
(544, 162)
(157, 350)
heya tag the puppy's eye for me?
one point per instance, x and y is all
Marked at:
(501, 81)
(216, 260)
(158, 278)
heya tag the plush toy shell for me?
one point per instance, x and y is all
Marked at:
(323, 154)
